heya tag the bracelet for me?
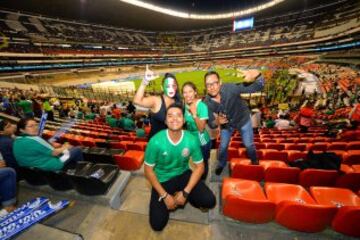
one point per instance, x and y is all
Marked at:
(163, 197)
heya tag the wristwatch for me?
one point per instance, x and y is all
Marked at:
(163, 197)
(185, 194)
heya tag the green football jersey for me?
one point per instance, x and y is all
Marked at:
(202, 113)
(171, 159)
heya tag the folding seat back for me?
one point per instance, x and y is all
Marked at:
(58, 180)
(276, 146)
(295, 155)
(93, 179)
(349, 180)
(282, 174)
(275, 155)
(352, 157)
(347, 221)
(245, 200)
(337, 146)
(355, 145)
(337, 197)
(131, 160)
(245, 170)
(297, 210)
(260, 146)
(296, 146)
(318, 147)
(317, 177)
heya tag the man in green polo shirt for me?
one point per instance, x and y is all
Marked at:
(167, 159)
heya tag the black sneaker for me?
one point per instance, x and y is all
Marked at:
(255, 162)
(218, 170)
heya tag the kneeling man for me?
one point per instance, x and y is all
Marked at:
(167, 158)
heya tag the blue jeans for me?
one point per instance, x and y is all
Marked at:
(7, 186)
(205, 150)
(247, 136)
(76, 155)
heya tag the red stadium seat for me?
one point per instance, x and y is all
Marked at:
(275, 155)
(241, 168)
(276, 146)
(355, 145)
(337, 146)
(295, 155)
(338, 197)
(140, 146)
(318, 147)
(245, 200)
(131, 160)
(296, 209)
(352, 157)
(294, 146)
(349, 180)
(317, 177)
(282, 174)
(347, 221)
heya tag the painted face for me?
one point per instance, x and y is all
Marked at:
(170, 87)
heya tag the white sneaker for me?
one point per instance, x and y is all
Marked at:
(3, 213)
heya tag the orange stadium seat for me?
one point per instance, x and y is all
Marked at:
(241, 168)
(347, 218)
(296, 209)
(245, 200)
(274, 155)
(352, 157)
(131, 160)
(317, 177)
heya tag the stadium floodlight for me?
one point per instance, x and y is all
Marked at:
(188, 15)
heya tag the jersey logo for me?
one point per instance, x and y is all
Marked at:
(165, 154)
(185, 152)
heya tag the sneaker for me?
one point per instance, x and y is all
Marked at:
(3, 213)
(255, 162)
(218, 170)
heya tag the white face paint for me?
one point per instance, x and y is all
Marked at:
(170, 87)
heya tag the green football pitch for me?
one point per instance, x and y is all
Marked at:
(197, 77)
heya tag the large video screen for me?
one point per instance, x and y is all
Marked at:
(241, 24)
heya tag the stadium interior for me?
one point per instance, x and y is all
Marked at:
(81, 62)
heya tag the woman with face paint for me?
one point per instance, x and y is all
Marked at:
(157, 104)
(196, 116)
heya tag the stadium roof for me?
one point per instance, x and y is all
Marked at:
(121, 14)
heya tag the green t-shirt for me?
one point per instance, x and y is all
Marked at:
(47, 106)
(113, 122)
(25, 105)
(33, 151)
(127, 124)
(202, 113)
(90, 116)
(140, 132)
(169, 159)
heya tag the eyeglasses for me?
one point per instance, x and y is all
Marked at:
(212, 84)
(32, 125)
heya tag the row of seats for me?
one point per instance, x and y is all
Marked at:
(317, 146)
(87, 178)
(278, 171)
(348, 157)
(292, 206)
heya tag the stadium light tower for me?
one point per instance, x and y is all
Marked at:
(224, 15)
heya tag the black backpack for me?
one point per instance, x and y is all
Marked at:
(324, 160)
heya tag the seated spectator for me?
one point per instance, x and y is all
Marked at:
(26, 106)
(269, 122)
(30, 150)
(7, 189)
(283, 123)
(112, 121)
(305, 117)
(127, 123)
(7, 131)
